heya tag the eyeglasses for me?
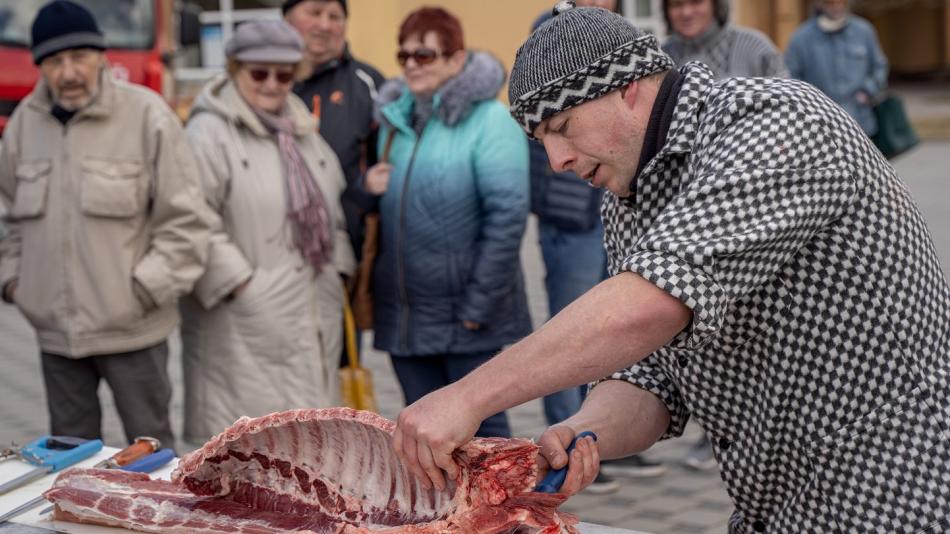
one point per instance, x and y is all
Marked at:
(261, 75)
(423, 56)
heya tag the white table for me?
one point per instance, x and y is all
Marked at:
(33, 523)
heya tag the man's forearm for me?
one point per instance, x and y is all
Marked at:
(626, 418)
(619, 322)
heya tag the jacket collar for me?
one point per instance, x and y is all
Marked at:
(703, 41)
(698, 81)
(100, 106)
(333, 64)
(481, 79)
(220, 96)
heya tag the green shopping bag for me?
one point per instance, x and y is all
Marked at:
(895, 135)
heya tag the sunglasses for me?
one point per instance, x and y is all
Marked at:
(422, 56)
(261, 75)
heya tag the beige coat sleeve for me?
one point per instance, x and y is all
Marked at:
(227, 265)
(9, 245)
(181, 222)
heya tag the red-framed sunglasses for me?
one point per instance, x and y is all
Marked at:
(261, 75)
(423, 56)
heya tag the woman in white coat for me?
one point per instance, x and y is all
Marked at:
(261, 332)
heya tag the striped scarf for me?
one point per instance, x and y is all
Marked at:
(306, 207)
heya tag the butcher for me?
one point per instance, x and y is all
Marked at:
(772, 279)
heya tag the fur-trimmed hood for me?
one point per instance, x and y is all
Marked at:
(481, 79)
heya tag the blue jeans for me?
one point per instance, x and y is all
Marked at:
(574, 263)
(421, 375)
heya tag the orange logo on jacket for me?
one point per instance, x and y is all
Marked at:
(336, 97)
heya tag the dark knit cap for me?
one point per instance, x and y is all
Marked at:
(289, 4)
(579, 55)
(63, 25)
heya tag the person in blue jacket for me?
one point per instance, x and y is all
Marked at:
(448, 287)
(839, 53)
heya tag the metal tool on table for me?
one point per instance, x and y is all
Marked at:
(7, 453)
(29, 452)
(553, 481)
(51, 454)
(139, 456)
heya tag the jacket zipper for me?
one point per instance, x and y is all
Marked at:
(400, 253)
(67, 192)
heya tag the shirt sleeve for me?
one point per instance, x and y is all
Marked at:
(876, 81)
(181, 220)
(769, 179)
(648, 375)
(793, 59)
(227, 266)
(501, 176)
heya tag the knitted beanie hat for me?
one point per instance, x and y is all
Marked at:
(64, 25)
(578, 55)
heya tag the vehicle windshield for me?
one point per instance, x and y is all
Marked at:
(126, 23)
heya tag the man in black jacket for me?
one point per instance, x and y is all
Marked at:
(340, 91)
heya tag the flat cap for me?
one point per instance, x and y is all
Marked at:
(265, 41)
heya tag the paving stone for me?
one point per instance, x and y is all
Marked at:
(699, 516)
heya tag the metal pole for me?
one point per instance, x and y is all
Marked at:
(227, 19)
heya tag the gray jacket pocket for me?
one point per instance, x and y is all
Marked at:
(111, 188)
(32, 189)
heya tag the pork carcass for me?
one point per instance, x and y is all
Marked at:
(317, 471)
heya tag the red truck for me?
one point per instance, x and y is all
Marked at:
(140, 39)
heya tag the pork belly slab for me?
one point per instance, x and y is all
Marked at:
(320, 472)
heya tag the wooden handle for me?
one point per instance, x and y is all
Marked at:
(141, 448)
(388, 146)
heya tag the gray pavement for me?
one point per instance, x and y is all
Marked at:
(679, 501)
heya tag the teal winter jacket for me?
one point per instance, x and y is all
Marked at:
(452, 219)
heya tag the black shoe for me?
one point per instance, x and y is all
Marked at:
(635, 466)
(602, 485)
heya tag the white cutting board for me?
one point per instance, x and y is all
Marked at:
(43, 525)
(12, 468)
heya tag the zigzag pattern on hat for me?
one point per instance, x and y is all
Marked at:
(637, 59)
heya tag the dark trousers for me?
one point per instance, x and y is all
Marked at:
(140, 387)
(421, 375)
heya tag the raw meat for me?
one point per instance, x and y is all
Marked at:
(317, 471)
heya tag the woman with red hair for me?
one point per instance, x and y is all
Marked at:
(448, 288)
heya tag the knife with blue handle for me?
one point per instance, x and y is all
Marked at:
(151, 462)
(553, 481)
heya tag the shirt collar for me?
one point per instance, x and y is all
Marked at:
(335, 63)
(697, 83)
(659, 124)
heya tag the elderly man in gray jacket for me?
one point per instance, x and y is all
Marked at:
(107, 228)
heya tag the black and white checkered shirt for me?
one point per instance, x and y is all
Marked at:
(817, 358)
